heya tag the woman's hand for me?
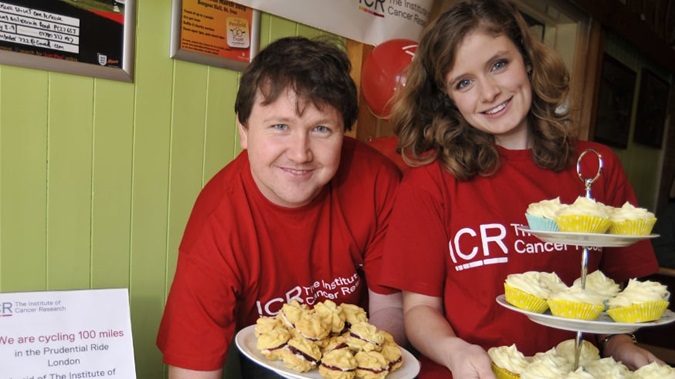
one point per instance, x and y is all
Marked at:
(622, 348)
(469, 361)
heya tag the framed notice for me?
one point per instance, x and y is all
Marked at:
(650, 122)
(82, 37)
(214, 32)
(615, 103)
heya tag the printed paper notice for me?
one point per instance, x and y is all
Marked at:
(66, 335)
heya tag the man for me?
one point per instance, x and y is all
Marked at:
(300, 214)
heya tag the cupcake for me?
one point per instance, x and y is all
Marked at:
(541, 215)
(632, 221)
(543, 370)
(607, 368)
(588, 353)
(576, 303)
(552, 358)
(507, 361)
(578, 374)
(654, 371)
(600, 284)
(585, 215)
(639, 302)
(528, 290)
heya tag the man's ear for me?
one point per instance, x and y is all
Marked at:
(243, 134)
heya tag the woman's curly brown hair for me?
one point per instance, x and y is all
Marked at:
(430, 126)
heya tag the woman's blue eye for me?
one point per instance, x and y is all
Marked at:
(500, 64)
(280, 126)
(321, 129)
(463, 83)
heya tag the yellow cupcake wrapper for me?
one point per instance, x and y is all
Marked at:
(583, 224)
(502, 373)
(575, 310)
(633, 227)
(524, 300)
(644, 312)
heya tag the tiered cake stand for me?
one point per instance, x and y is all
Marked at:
(603, 324)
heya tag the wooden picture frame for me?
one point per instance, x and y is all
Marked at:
(615, 103)
(73, 37)
(215, 33)
(650, 121)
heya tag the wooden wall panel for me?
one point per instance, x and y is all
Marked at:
(23, 179)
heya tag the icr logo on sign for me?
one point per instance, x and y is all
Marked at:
(5, 309)
(375, 7)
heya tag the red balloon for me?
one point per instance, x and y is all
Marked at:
(383, 73)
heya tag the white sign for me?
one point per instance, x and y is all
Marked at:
(66, 335)
(367, 21)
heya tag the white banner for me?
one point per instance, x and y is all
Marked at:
(66, 335)
(367, 21)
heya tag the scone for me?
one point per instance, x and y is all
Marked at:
(576, 303)
(585, 215)
(271, 342)
(371, 365)
(365, 337)
(352, 313)
(639, 302)
(391, 352)
(631, 220)
(338, 364)
(291, 312)
(331, 314)
(300, 354)
(541, 215)
(507, 361)
(312, 326)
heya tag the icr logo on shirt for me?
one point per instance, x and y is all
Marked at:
(470, 248)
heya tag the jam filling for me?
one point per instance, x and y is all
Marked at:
(335, 368)
(303, 354)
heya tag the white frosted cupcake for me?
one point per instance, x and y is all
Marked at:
(541, 215)
(552, 358)
(528, 291)
(576, 303)
(588, 352)
(631, 220)
(578, 374)
(607, 368)
(654, 371)
(585, 215)
(639, 302)
(599, 283)
(507, 361)
(543, 370)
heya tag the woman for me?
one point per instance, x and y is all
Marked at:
(483, 118)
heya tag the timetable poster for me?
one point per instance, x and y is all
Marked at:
(66, 335)
(86, 31)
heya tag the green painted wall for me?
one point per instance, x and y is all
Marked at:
(97, 177)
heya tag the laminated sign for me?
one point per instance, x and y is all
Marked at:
(66, 335)
(367, 21)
